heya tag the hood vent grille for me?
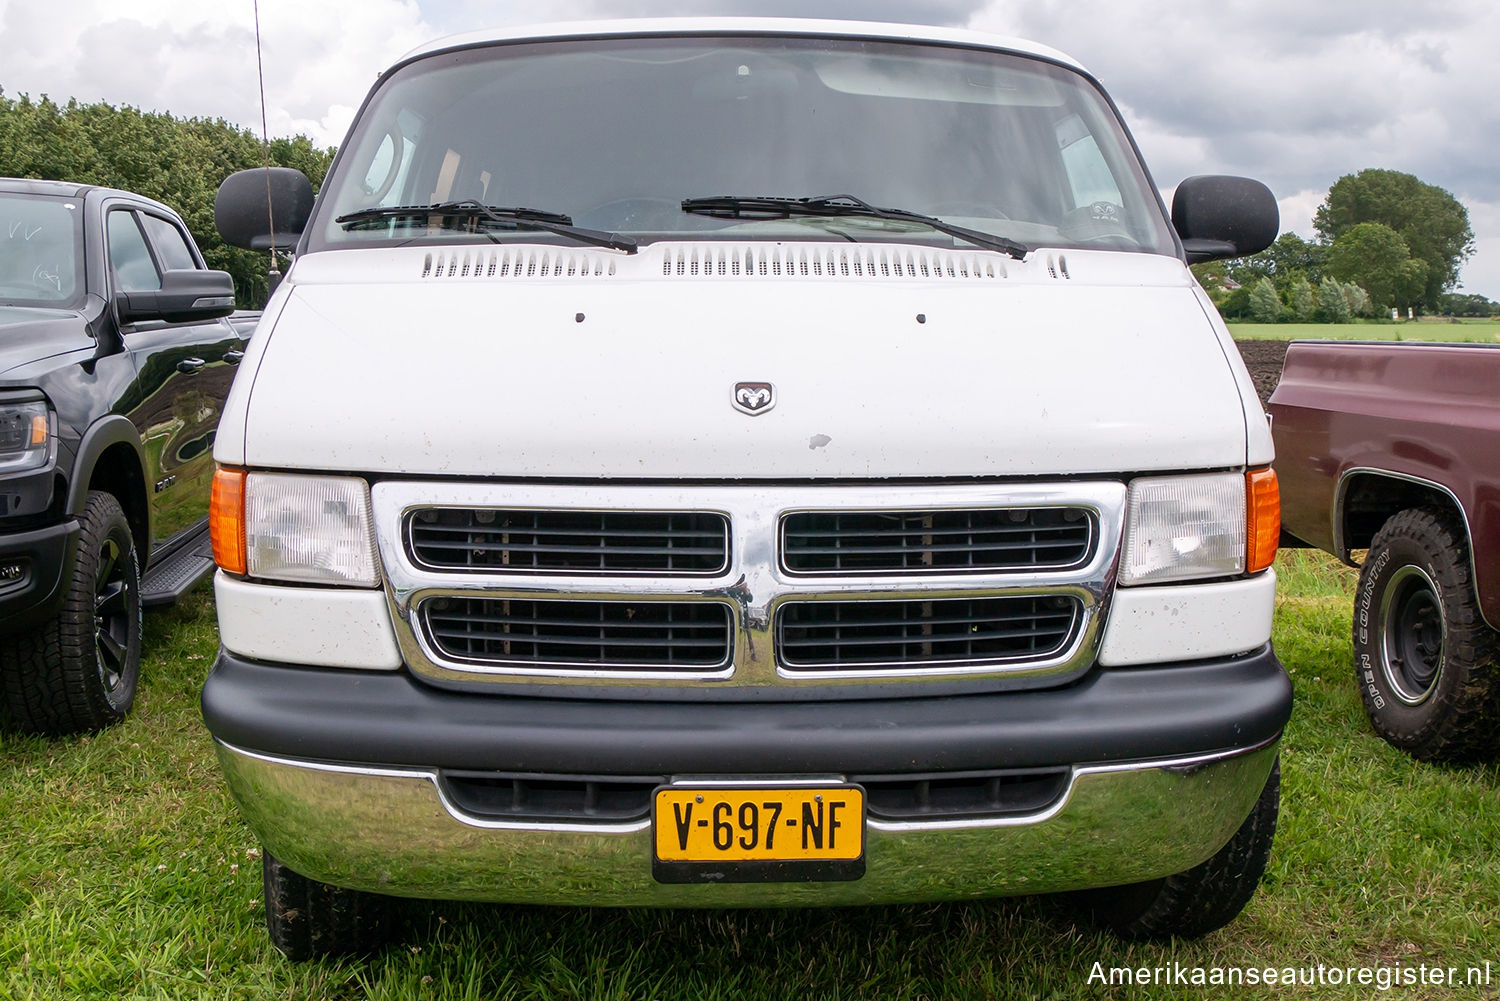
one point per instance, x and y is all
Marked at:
(827, 262)
(521, 263)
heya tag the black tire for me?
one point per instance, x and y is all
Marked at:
(78, 670)
(1205, 897)
(307, 919)
(1424, 659)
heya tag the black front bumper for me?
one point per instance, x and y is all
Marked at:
(34, 569)
(389, 719)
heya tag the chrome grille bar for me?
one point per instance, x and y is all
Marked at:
(754, 589)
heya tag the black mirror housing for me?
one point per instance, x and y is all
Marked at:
(249, 200)
(1219, 216)
(184, 296)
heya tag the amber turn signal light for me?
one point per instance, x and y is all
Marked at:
(1263, 517)
(226, 519)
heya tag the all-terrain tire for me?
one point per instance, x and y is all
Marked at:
(77, 671)
(307, 919)
(1424, 660)
(1205, 897)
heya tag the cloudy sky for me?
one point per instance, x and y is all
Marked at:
(1293, 92)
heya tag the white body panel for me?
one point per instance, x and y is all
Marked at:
(1156, 625)
(320, 627)
(1068, 365)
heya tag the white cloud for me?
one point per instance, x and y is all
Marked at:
(196, 59)
(1294, 93)
(1481, 273)
(1297, 211)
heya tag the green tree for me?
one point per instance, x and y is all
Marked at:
(1265, 304)
(1332, 303)
(176, 161)
(1434, 224)
(1281, 262)
(1375, 257)
(1468, 304)
(1302, 299)
(1358, 300)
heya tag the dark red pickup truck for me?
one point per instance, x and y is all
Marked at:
(1395, 448)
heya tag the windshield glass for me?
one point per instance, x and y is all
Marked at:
(40, 263)
(615, 133)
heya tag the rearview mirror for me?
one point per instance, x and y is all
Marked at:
(184, 296)
(249, 200)
(1219, 216)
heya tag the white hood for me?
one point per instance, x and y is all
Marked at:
(415, 362)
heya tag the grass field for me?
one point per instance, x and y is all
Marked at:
(125, 872)
(1486, 331)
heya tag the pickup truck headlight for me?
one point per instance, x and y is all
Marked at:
(285, 526)
(25, 435)
(1184, 527)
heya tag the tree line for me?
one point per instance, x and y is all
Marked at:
(1385, 240)
(177, 161)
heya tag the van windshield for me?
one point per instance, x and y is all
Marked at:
(40, 263)
(614, 135)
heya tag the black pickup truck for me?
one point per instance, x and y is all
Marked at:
(116, 356)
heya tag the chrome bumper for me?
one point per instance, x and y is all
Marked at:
(391, 831)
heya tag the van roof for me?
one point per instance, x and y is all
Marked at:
(742, 25)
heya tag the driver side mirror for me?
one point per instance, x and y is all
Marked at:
(1219, 217)
(184, 296)
(249, 200)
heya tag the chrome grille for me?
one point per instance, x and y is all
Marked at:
(623, 635)
(486, 540)
(965, 541)
(505, 610)
(826, 635)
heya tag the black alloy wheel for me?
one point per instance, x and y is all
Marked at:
(77, 671)
(116, 612)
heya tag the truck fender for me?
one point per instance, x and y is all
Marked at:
(105, 433)
(1445, 497)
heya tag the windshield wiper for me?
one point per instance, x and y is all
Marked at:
(741, 207)
(505, 217)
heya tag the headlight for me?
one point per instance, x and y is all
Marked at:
(25, 435)
(284, 526)
(1183, 527)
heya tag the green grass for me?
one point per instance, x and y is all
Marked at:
(125, 872)
(1485, 331)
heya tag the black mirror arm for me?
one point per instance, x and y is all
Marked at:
(1200, 250)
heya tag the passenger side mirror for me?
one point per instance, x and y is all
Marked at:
(249, 200)
(184, 296)
(1219, 216)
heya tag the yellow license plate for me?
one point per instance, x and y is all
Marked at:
(766, 824)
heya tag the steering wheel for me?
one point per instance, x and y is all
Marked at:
(394, 135)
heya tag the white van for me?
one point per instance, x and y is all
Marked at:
(727, 463)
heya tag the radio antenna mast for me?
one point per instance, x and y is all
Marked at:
(273, 276)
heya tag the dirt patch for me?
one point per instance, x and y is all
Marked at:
(1263, 359)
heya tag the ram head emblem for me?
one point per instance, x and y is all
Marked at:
(754, 398)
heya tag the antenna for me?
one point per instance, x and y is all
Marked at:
(273, 276)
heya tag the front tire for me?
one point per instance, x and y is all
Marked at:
(1424, 659)
(307, 919)
(78, 670)
(1204, 898)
